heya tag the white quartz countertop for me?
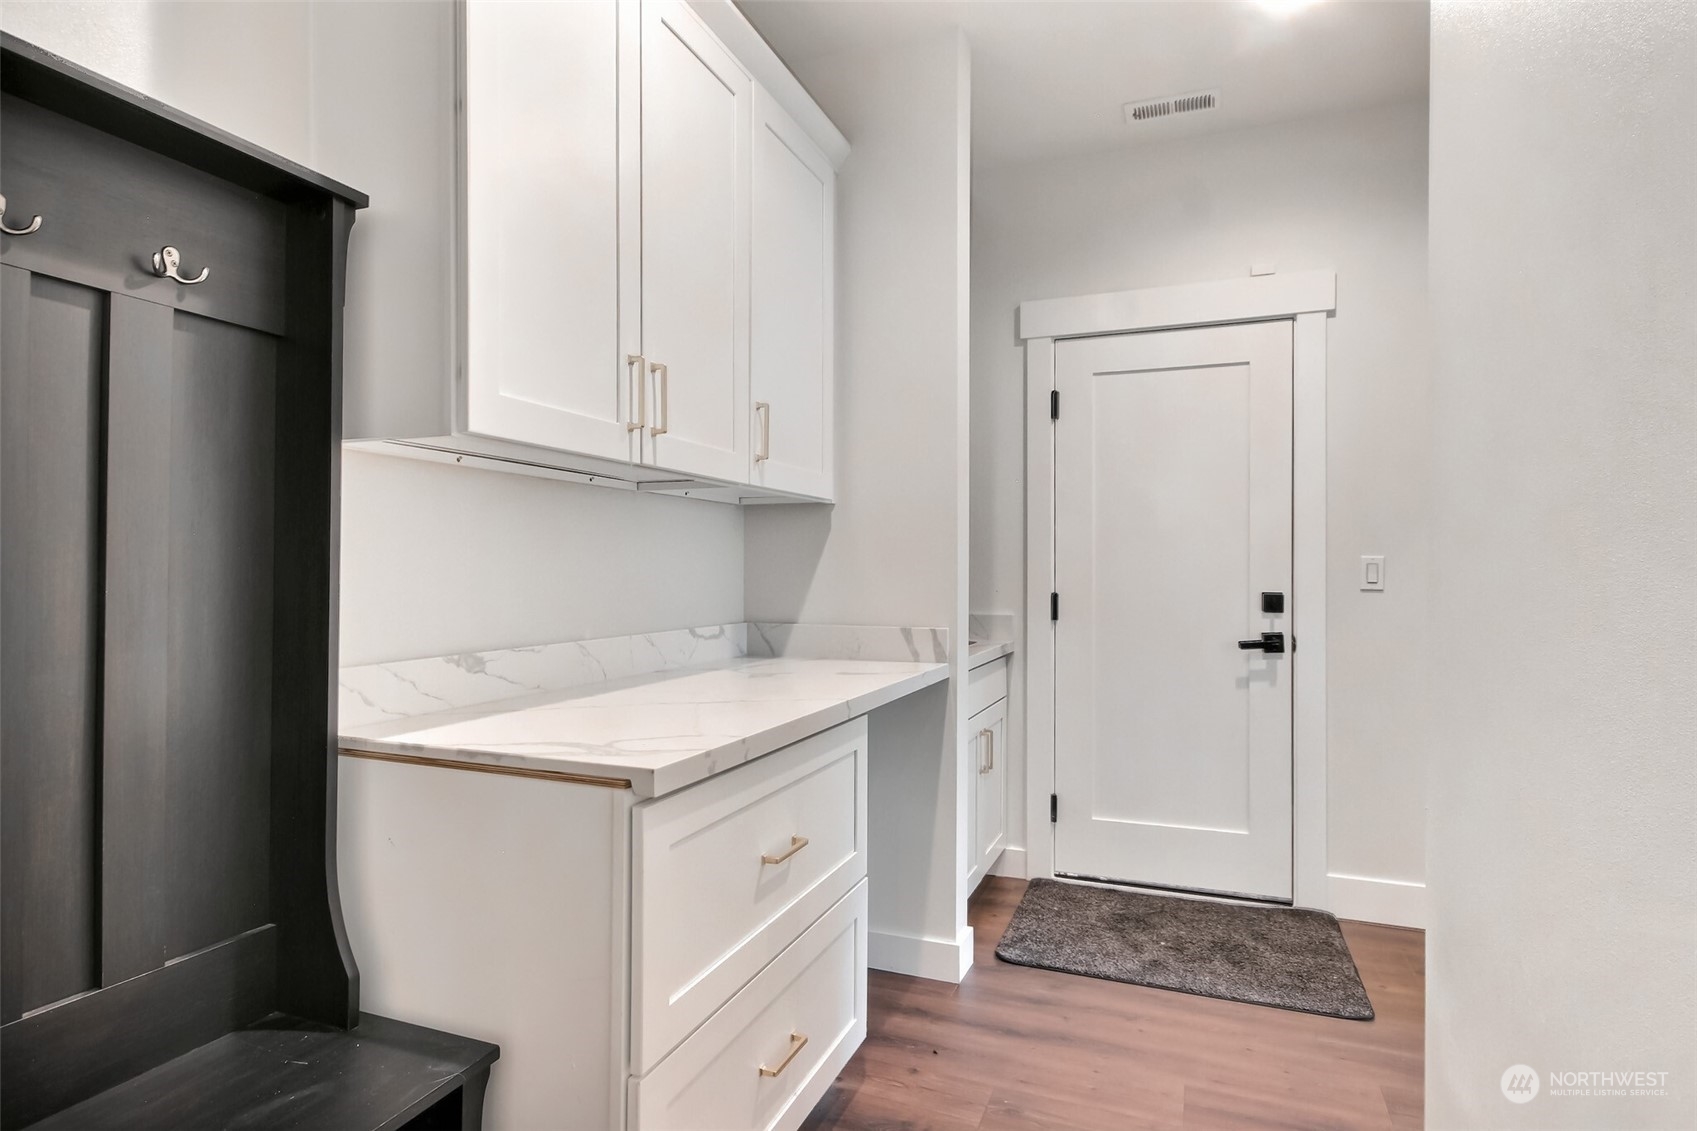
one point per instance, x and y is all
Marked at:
(660, 731)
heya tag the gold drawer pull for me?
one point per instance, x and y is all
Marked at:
(797, 1043)
(797, 843)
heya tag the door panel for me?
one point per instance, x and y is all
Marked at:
(1172, 516)
(790, 368)
(695, 216)
(548, 244)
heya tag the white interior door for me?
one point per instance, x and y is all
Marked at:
(1172, 518)
(695, 245)
(552, 231)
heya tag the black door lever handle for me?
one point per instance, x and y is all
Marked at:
(1269, 642)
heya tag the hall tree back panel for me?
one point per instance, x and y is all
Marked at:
(137, 629)
(168, 498)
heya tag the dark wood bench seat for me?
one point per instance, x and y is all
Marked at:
(285, 1073)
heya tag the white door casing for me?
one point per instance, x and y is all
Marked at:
(551, 256)
(1306, 297)
(1172, 517)
(695, 245)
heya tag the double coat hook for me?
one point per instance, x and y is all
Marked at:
(166, 262)
(33, 224)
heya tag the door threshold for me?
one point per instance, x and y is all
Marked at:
(1182, 893)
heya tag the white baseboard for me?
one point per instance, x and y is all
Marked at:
(941, 960)
(1399, 903)
(1010, 863)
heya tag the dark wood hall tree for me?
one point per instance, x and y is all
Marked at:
(171, 941)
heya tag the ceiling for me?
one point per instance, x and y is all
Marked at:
(1050, 77)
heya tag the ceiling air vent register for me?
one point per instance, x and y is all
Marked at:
(1154, 109)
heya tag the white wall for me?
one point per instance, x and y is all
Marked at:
(1563, 829)
(887, 552)
(1347, 192)
(442, 559)
(239, 66)
(434, 558)
(892, 549)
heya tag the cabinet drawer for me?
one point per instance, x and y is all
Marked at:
(723, 1076)
(723, 883)
(986, 684)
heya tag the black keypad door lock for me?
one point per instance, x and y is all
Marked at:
(1272, 642)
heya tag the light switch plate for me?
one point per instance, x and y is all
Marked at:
(1372, 571)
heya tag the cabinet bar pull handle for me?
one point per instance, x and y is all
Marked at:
(635, 363)
(665, 424)
(34, 224)
(166, 262)
(985, 765)
(797, 1043)
(765, 411)
(797, 843)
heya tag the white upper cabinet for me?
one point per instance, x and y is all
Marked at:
(695, 220)
(622, 278)
(551, 110)
(792, 300)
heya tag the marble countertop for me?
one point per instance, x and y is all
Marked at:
(981, 652)
(661, 731)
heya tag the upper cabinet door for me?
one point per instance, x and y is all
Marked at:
(695, 215)
(551, 116)
(793, 250)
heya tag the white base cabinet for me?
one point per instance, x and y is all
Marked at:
(693, 960)
(646, 257)
(984, 762)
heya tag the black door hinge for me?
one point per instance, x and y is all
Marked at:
(1054, 606)
(1054, 809)
(1054, 404)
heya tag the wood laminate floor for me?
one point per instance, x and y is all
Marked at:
(1017, 1049)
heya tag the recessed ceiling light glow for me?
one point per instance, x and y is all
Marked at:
(1284, 7)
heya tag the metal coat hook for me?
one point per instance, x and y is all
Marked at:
(166, 261)
(33, 224)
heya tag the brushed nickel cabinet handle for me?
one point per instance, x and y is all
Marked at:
(166, 263)
(665, 376)
(765, 410)
(797, 1043)
(34, 224)
(635, 365)
(985, 764)
(797, 843)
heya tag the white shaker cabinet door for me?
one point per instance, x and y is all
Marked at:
(695, 216)
(991, 824)
(552, 127)
(791, 310)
